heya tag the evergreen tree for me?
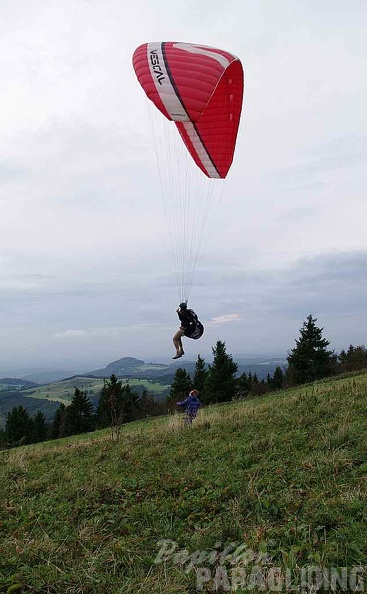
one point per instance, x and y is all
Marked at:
(109, 409)
(261, 388)
(180, 386)
(200, 375)
(39, 427)
(277, 381)
(354, 359)
(3, 439)
(58, 425)
(18, 426)
(310, 360)
(79, 414)
(243, 386)
(130, 404)
(149, 406)
(108, 401)
(220, 385)
(117, 404)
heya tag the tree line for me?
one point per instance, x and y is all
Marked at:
(308, 361)
(117, 404)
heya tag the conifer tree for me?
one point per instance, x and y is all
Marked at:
(243, 386)
(310, 359)
(180, 387)
(18, 426)
(108, 403)
(277, 381)
(39, 427)
(58, 424)
(220, 385)
(130, 404)
(150, 406)
(79, 414)
(354, 359)
(117, 404)
(200, 375)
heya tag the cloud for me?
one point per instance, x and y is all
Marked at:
(339, 153)
(85, 266)
(71, 334)
(12, 171)
(218, 321)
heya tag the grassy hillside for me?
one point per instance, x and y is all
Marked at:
(64, 391)
(283, 475)
(46, 398)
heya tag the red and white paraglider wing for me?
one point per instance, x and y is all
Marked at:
(201, 89)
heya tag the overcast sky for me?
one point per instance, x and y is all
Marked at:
(86, 274)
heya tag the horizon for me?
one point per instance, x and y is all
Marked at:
(39, 368)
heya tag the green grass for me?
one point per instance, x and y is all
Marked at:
(64, 391)
(285, 474)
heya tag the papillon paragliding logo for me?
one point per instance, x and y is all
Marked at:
(200, 89)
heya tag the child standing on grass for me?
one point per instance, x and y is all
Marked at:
(192, 404)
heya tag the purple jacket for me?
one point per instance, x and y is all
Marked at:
(192, 404)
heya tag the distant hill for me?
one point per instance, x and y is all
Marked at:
(129, 366)
(46, 377)
(136, 368)
(16, 383)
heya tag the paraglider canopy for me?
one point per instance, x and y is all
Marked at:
(200, 88)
